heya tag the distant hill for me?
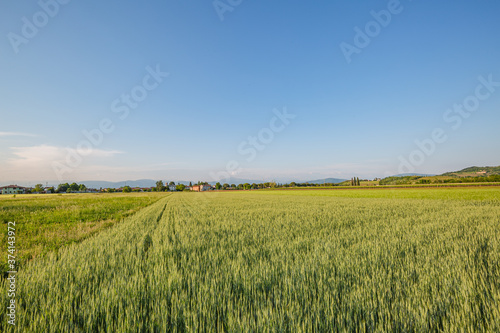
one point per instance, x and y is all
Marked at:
(404, 178)
(474, 172)
(151, 182)
(132, 183)
(326, 180)
(238, 181)
(90, 183)
(471, 174)
(137, 183)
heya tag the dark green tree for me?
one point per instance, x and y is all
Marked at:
(62, 188)
(159, 186)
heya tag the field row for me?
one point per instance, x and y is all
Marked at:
(44, 223)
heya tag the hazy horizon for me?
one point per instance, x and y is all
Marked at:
(255, 90)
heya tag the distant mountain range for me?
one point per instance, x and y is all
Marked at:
(150, 182)
(325, 180)
(132, 183)
(413, 174)
(237, 181)
(467, 172)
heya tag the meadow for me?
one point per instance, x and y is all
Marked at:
(47, 222)
(405, 260)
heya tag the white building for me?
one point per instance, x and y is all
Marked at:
(205, 187)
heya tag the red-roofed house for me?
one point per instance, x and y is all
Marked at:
(12, 189)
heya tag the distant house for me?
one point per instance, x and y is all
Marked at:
(172, 188)
(13, 189)
(201, 188)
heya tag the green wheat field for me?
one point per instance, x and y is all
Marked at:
(379, 260)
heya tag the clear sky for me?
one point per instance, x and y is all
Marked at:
(256, 89)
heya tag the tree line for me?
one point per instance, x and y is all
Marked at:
(161, 186)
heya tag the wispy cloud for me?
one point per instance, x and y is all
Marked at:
(17, 134)
(104, 153)
(45, 154)
(36, 161)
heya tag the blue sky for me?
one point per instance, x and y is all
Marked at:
(228, 79)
